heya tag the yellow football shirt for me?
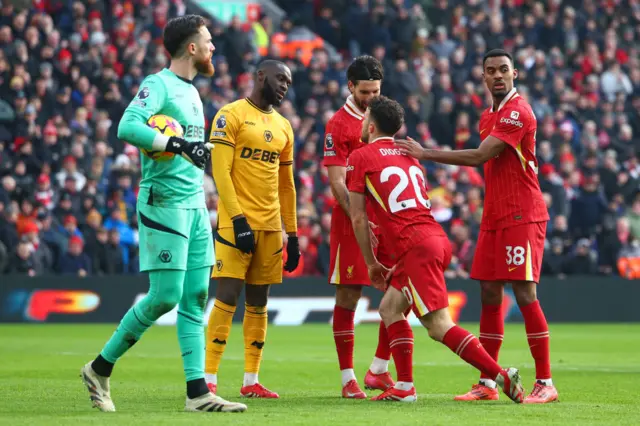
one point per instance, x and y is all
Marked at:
(253, 166)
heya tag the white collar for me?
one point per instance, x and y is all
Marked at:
(382, 137)
(352, 109)
(511, 95)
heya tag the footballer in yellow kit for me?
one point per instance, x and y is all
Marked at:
(253, 172)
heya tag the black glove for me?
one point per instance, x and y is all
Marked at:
(293, 254)
(197, 153)
(245, 241)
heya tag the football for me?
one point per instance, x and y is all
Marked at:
(167, 126)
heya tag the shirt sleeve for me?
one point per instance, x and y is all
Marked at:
(149, 101)
(511, 126)
(356, 172)
(286, 185)
(286, 156)
(223, 133)
(336, 147)
(225, 127)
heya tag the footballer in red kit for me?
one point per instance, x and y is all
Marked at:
(381, 176)
(512, 232)
(342, 137)
(347, 270)
(515, 215)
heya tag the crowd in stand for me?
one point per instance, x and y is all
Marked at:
(68, 70)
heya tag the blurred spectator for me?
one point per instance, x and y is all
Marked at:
(582, 260)
(125, 233)
(98, 252)
(22, 262)
(587, 209)
(463, 246)
(74, 261)
(42, 256)
(8, 228)
(68, 230)
(114, 256)
(554, 259)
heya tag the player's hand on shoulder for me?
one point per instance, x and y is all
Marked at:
(198, 153)
(293, 254)
(410, 147)
(245, 240)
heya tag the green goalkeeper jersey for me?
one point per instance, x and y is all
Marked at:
(174, 182)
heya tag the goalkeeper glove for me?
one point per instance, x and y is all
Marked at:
(198, 153)
(293, 254)
(245, 241)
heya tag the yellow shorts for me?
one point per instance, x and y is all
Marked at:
(262, 267)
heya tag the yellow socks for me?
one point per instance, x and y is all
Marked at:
(217, 335)
(255, 332)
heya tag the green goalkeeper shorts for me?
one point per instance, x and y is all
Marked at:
(174, 238)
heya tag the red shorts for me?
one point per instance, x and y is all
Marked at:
(347, 266)
(510, 254)
(420, 275)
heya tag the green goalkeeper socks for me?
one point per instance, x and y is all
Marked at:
(190, 323)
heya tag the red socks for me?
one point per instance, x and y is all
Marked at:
(467, 347)
(491, 331)
(401, 345)
(383, 351)
(344, 336)
(538, 337)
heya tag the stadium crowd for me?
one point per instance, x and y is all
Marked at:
(68, 70)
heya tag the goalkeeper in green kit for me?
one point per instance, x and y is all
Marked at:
(176, 245)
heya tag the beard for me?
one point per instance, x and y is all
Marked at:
(205, 67)
(269, 94)
(360, 103)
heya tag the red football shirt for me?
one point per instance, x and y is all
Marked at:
(342, 137)
(395, 187)
(512, 191)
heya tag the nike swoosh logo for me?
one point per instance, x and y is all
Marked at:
(513, 269)
(482, 131)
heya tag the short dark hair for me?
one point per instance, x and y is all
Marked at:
(365, 67)
(180, 30)
(387, 114)
(496, 53)
(269, 63)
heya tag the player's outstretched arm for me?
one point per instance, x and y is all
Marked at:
(488, 149)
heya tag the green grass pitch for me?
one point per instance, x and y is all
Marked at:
(596, 369)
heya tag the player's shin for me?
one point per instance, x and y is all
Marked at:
(463, 343)
(392, 308)
(190, 329)
(537, 329)
(255, 333)
(491, 335)
(165, 291)
(380, 363)
(344, 336)
(218, 331)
